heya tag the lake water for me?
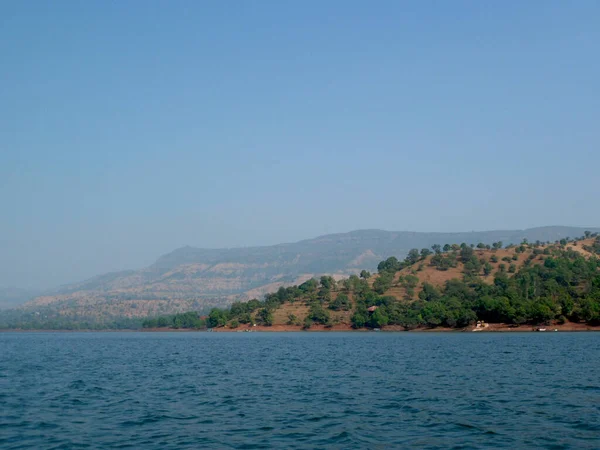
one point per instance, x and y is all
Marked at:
(299, 390)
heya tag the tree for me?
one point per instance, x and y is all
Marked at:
(473, 265)
(317, 314)
(383, 282)
(447, 247)
(341, 303)
(389, 265)
(413, 256)
(466, 253)
(237, 308)
(358, 319)
(365, 274)
(443, 262)
(434, 314)
(265, 317)
(245, 318)
(327, 282)
(425, 252)
(541, 312)
(216, 318)
(309, 286)
(253, 305)
(437, 248)
(429, 293)
(487, 268)
(410, 281)
(307, 323)
(379, 318)
(481, 245)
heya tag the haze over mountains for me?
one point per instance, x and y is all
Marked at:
(194, 278)
(11, 297)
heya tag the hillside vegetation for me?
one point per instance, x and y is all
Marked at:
(198, 280)
(445, 286)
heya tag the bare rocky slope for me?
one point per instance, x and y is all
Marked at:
(193, 278)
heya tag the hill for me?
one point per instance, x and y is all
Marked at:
(454, 286)
(197, 279)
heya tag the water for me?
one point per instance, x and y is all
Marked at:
(299, 390)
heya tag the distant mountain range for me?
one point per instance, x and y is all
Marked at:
(196, 278)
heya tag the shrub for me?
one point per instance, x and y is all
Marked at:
(359, 319)
(487, 268)
(265, 317)
(318, 315)
(292, 319)
(341, 303)
(307, 323)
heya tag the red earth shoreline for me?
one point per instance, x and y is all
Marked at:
(491, 328)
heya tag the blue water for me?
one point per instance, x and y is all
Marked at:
(299, 390)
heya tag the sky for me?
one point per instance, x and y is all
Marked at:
(128, 129)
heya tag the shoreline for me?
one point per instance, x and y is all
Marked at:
(490, 328)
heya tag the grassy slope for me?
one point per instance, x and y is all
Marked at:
(425, 273)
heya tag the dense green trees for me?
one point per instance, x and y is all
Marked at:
(383, 282)
(327, 282)
(341, 303)
(413, 256)
(317, 314)
(265, 317)
(443, 261)
(425, 252)
(217, 318)
(487, 268)
(184, 320)
(389, 265)
(466, 253)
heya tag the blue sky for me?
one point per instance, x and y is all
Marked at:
(128, 129)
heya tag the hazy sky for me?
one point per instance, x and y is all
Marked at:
(128, 129)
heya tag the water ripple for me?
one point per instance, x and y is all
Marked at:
(299, 390)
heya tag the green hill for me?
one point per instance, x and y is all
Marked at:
(453, 286)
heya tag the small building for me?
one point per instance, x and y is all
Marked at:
(372, 308)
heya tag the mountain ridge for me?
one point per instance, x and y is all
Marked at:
(195, 278)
